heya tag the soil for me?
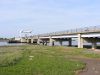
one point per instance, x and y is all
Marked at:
(92, 66)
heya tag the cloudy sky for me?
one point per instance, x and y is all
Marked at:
(42, 16)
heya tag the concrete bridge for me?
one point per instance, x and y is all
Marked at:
(87, 34)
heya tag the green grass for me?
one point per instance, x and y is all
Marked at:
(73, 51)
(40, 60)
(9, 55)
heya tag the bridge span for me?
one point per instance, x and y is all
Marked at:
(87, 34)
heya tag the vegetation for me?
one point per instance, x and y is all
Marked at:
(40, 60)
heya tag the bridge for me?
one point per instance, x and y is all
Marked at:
(87, 34)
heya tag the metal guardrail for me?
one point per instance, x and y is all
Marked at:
(73, 31)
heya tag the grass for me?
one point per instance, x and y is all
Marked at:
(9, 55)
(40, 60)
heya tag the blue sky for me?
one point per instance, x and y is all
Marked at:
(44, 16)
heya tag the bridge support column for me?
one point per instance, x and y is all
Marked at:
(94, 45)
(32, 40)
(60, 43)
(38, 41)
(23, 40)
(46, 43)
(70, 42)
(51, 42)
(80, 41)
(43, 43)
(27, 40)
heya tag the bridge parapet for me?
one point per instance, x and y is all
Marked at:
(91, 29)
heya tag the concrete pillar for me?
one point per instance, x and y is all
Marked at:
(38, 41)
(23, 40)
(80, 41)
(94, 45)
(46, 43)
(51, 42)
(60, 43)
(70, 42)
(27, 40)
(32, 40)
(43, 42)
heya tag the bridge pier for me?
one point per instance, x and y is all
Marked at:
(46, 43)
(23, 40)
(80, 41)
(43, 43)
(60, 42)
(93, 41)
(94, 45)
(69, 42)
(38, 41)
(51, 42)
(28, 40)
(32, 41)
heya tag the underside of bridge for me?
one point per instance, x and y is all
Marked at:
(92, 40)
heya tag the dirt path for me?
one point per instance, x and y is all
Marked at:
(92, 66)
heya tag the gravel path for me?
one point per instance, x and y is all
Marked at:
(92, 66)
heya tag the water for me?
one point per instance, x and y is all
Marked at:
(4, 43)
(73, 43)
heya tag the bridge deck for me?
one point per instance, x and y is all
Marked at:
(94, 29)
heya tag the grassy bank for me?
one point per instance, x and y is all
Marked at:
(40, 60)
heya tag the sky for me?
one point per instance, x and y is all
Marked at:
(43, 16)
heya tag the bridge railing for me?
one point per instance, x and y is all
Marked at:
(73, 31)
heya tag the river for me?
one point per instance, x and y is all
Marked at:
(5, 43)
